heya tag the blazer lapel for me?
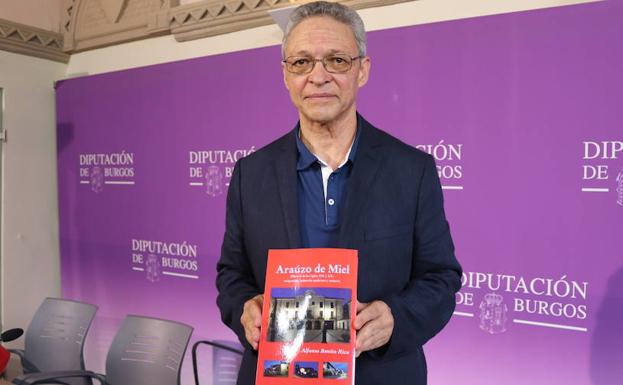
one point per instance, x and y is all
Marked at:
(287, 180)
(365, 167)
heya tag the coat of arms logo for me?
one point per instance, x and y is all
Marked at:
(214, 181)
(493, 314)
(97, 179)
(152, 267)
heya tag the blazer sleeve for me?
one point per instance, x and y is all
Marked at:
(235, 281)
(425, 306)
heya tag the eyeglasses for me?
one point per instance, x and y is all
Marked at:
(336, 64)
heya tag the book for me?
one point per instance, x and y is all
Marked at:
(310, 304)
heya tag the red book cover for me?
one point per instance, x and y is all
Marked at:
(310, 303)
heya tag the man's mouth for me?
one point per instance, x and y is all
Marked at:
(319, 96)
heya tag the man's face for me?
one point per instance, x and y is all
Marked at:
(321, 96)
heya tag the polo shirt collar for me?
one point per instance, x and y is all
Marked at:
(306, 158)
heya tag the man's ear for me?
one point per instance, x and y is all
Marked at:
(283, 68)
(364, 71)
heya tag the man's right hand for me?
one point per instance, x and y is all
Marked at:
(251, 319)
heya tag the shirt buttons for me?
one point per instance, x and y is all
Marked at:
(331, 202)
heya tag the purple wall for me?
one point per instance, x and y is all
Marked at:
(522, 111)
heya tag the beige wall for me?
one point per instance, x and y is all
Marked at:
(29, 227)
(44, 14)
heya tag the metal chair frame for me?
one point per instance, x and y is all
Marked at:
(213, 344)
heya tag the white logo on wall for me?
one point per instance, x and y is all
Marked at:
(212, 169)
(598, 158)
(214, 181)
(620, 187)
(98, 170)
(449, 163)
(538, 302)
(159, 258)
(152, 267)
(97, 179)
(493, 314)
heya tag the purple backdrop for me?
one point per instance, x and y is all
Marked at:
(522, 112)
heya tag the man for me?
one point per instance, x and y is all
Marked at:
(336, 181)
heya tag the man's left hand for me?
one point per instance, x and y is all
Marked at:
(374, 324)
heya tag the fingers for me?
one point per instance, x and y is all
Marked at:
(365, 313)
(372, 336)
(256, 311)
(361, 306)
(375, 325)
(251, 319)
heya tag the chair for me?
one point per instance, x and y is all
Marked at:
(145, 351)
(55, 337)
(226, 359)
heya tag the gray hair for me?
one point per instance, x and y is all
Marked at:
(336, 11)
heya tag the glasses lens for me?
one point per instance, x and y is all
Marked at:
(299, 65)
(337, 63)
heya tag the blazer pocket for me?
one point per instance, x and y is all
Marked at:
(386, 232)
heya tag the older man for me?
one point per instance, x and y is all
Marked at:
(337, 181)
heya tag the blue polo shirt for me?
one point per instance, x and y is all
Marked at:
(319, 215)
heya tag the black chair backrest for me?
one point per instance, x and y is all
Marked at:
(56, 334)
(147, 351)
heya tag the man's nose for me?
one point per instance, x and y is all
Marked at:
(319, 74)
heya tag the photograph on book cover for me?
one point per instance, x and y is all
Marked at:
(306, 369)
(273, 368)
(335, 370)
(315, 314)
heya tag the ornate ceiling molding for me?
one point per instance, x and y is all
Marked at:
(89, 24)
(32, 41)
(92, 24)
(214, 17)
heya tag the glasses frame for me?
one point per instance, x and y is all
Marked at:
(323, 61)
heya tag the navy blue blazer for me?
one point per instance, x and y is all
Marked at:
(393, 215)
